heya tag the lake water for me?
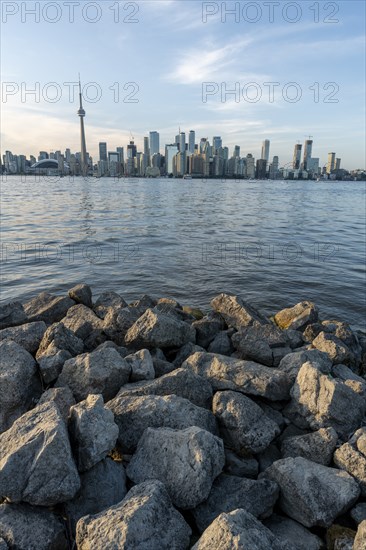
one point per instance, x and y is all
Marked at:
(273, 242)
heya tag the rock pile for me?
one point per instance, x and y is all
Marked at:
(153, 426)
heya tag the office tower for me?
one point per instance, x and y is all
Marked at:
(42, 155)
(236, 151)
(338, 164)
(81, 114)
(203, 144)
(103, 151)
(146, 146)
(250, 166)
(265, 150)
(154, 143)
(131, 150)
(273, 169)
(121, 154)
(261, 169)
(331, 162)
(307, 152)
(297, 157)
(313, 165)
(170, 152)
(216, 143)
(191, 142)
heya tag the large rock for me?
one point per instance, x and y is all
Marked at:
(93, 431)
(62, 397)
(243, 425)
(293, 533)
(117, 321)
(297, 317)
(326, 402)
(230, 492)
(59, 337)
(317, 446)
(208, 328)
(28, 336)
(18, 379)
(48, 308)
(184, 352)
(351, 457)
(155, 329)
(145, 520)
(238, 530)
(292, 362)
(11, 315)
(311, 493)
(51, 365)
(24, 527)
(142, 366)
(85, 324)
(103, 371)
(36, 464)
(238, 466)
(134, 414)
(350, 339)
(81, 294)
(360, 539)
(265, 344)
(181, 382)
(358, 513)
(108, 300)
(333, 346)
(236, 312)
(228, 373)
(101, 487)
(186, 461)
(221, 344)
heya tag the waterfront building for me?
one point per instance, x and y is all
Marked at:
(83, 156)
(297, 157)
(170, 152)
(121, 154)
(313, 166)
(273, 169)
(191, 142)
(331, 162)
(250, 166)
(103, 151)
(236, 151)
(308, 147)
(265, 150)
(261, 169)
(182, 142)
(338, 164)
(216, 144)
(131, 150)
(154, 143)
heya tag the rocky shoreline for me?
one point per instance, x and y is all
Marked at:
(153, 426)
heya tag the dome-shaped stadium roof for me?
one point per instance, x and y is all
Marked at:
(47, 163)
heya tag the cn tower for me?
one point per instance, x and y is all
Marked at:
(81, 113)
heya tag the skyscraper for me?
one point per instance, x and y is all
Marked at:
(83, 159)
(191, 142)
(182, 142)
(331, 163)
(154, 143)
(307, 152)
(216, 143)
(146, 146)
(338, 164)
(236, 151)
(297, 157)
(265, 150)
(103, 151)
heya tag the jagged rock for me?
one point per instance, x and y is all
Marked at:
(265, 344)
(293, 533)
(145, 519)
(48, 308)
(333, 346)
(317, 446)
(230, 492)
(243, 425)
(58, 337)
(312, 331)
(177, 313)
(358, 513)
(268, 457)
(186, 461)
(108, 300)
(142, 366)
(238, 530)
(83, 322)
(208, 328)
(101, 487)
(159, 330)
(51, 365)
(274, 415)
(81, 294)
(11, 315)
(162, 367)
(236, 312)
(344, 332)
(180, 382)
(18, 379)
(169, 301)
(292, 363)
(109, 344)
(134, 414)
(221, 344)
(101, 371)
(184, 352)
(142, 304)
(311, 493)
(239, 466)
(36, 464)
(351, 457)
(118, 321)
(324, 402)
(360, 539)
(28, 336)
(295, 338)
(26, 527)
(62, 397)
(228, 373)
(93, 431)
(345, 373)
(297, 317)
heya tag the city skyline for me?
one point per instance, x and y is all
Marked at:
(154, 73)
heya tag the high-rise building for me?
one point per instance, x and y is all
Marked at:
(182, 142)
(308, 147)
(216, 144)
(250, 166)
(265, 150)
(83, 157)
(273, 169)
(261, 169)
(170, 152)
(103, 151)
(331, 163)
(191, 142)
(297, 157)
(338, 164)
(131, 150)
(154, 143)
(121, 154)
(236, 151)
(146, 146)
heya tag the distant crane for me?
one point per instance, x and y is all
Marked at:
(131, 136)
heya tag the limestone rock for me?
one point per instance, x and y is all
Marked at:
(159, 330)
(243, 425)
(117, 321)
(360, 539)
(236, 312)
(180, 382)
(108, 300)
(186, 461)
(221, 344)
(184, 352)
(311, 493)
(228, 373)
(238, 530)
(30, 528)
(142, 366)
(59, 337)
(292, 363)
(11, 315)
(318, 446)
(62, 397)
(293, 533)
(101, 371)
(48, 308)
(134, 414)
(258, 342)
(18, 378)
(28, 336)
(351, 457)
(297, 317)
(81, 294)
(208, 328)
(93, 431)
(36, 464)
(230, 492)
(145, 519)
(51, 365)
(333, 346)
(83, 322)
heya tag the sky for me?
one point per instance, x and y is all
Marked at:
(294, 69)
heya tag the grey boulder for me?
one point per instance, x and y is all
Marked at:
(142, 366)
(62, 397)
(108, 300)
(145, 520)
(59, 337)
(360, 539)
(221, 344)
(293, 533)
(81, 294)
(317, 446)
(86, 325)
(208, 328)
(48, 308)
(292, 363)
(351, 457)
(265, 344)
(11, 315)
(358, 513)
(297, 317)
(51, 365)
(236, 312)
(28, 336)
(337, 351)
(186, 461)
(184, 352)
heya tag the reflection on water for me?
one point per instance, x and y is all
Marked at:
(275, 243)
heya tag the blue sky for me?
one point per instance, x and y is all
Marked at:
(170, 52)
